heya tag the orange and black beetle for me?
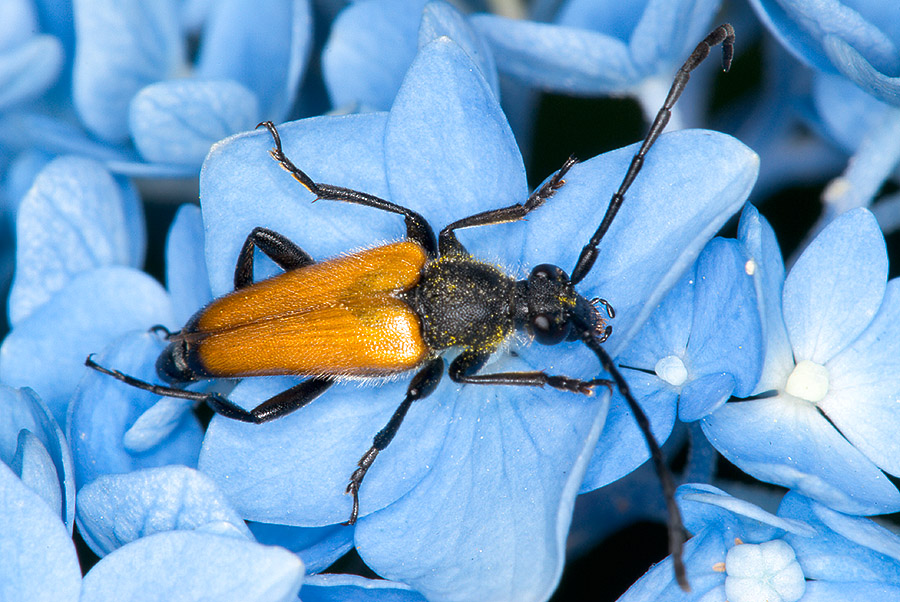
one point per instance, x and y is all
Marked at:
(395, 308)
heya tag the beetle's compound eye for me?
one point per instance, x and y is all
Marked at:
(547, 330)
(546, 271)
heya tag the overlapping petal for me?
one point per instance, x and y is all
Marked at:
(121, 47)
(72, 219)
(36, 552)
(48, 453)
(46, 351)
(176, 121)
(190, 565)
(114, 510)
(262, 46)
(102, 409)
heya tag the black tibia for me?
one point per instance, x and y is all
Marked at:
(464, 369)
(423, 384)
(417, 229)
(447, 241)
(277, 406)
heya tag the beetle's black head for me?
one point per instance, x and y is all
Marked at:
(551, 310)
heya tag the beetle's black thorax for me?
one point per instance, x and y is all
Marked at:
(463, 302)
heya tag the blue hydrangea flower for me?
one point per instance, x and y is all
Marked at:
(683, 362)
(495, 469)
(77, 230)
(823, 419)
(860, 41)
(857, 38)
(507, 462)
(596, 48)
(804, 553)
(30, 62)
(142, 108)
(33, 445)
(373, 42)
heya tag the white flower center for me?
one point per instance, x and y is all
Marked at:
(808, 381)
(766, 571)
(672, 370)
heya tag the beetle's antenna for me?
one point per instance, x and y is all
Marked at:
(674, 523)
(144, 385)
(724, 35)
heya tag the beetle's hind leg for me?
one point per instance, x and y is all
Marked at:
(423, 384)
(275, 407)
(278, 247)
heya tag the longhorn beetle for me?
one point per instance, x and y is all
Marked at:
(418, 298)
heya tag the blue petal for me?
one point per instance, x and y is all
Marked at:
(114, 510)
(558, 58)
(72, 220)
(703, 395)
(835, 287)
(845, 548)
(668, 31)
(786, 441)
(122, 47)
(616, 19)
(56, 136)
(725, 296)
(294, 470)
(442, 19)
(46, 351)
(317, 547)
(707, 507)
(177, 121)
(499, 497)
(667, 330)
(102, 410)
(188, 565)
(863, 384)
(351, 588)
(823, 591)
(861, 72)
(186, 276)
(846, 111)
(701, 555)
(802, 25)
(759, 243)
(156, 424)
(449, 151)
(33, 464)
(36, 552)
(242, 187)
(370, 47)
(621, 447)
(29, 70)
(18, 22)
(691, 183)
(263, 46)
(23, 409)
(135, 225)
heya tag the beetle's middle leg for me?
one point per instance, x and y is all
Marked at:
(423, 384)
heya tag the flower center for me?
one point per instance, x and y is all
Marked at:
(672, 370)
(808, 381)
(766, 571)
